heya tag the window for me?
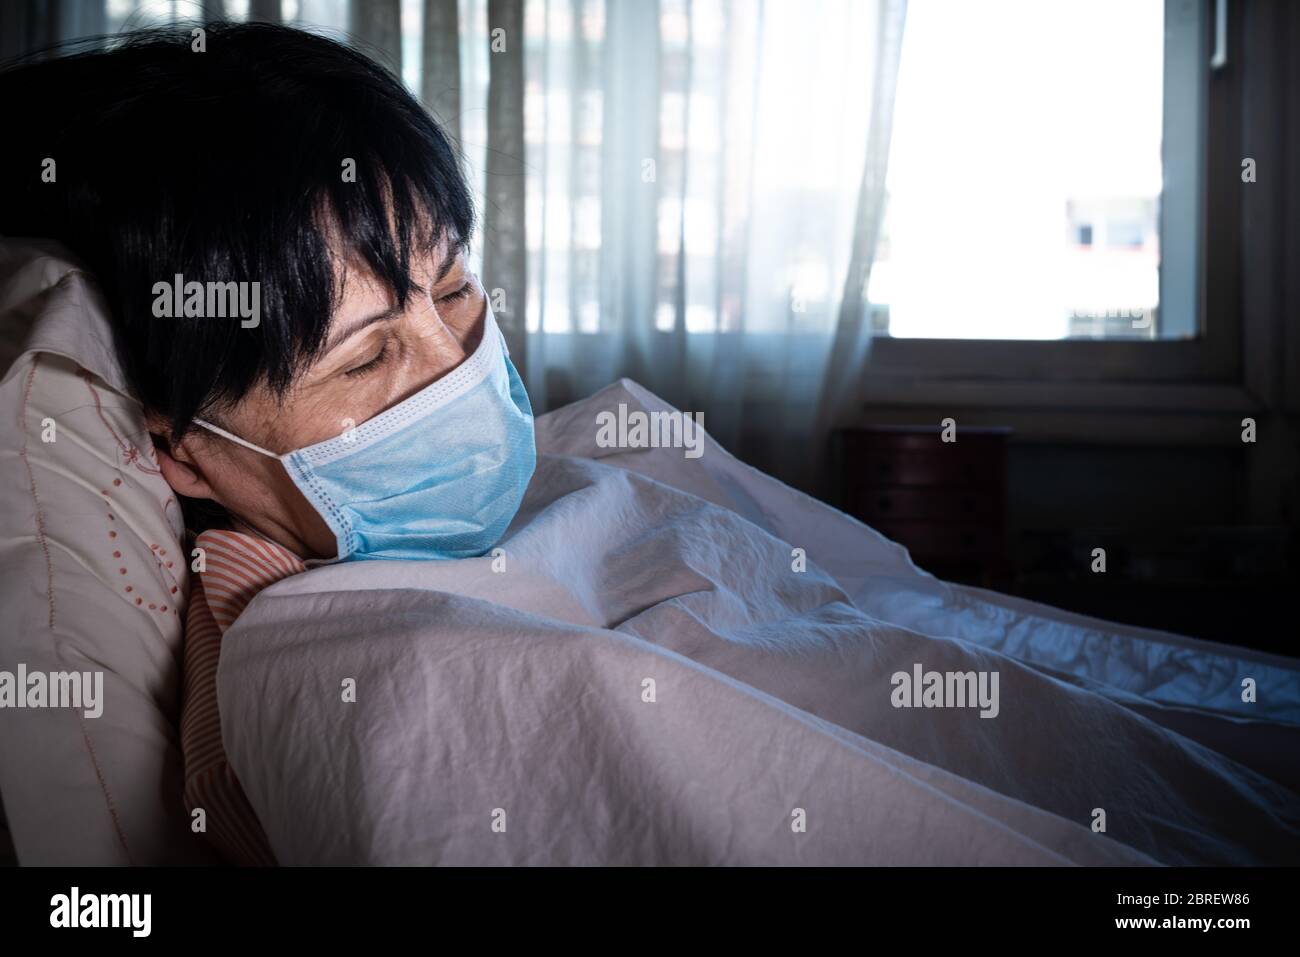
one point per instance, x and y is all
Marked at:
(1143, 307)
(1025, 177)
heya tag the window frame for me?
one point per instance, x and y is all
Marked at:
(1074, 388)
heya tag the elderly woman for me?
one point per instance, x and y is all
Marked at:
(683, 661)
(285, 268)
(368, 409)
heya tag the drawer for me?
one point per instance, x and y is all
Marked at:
(889, 503)
(910, 467)
(981, 441)
(944, 540)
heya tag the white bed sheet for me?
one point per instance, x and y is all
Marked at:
(501, 716)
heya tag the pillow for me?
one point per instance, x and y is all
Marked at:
(238, 566)
(93, 578)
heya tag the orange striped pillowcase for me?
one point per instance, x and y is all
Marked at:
(238, 566)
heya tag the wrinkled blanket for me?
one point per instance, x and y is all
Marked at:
(677, 660)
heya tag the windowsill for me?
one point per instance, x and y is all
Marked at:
(1204, 414)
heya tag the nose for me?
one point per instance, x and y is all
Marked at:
(438, 346)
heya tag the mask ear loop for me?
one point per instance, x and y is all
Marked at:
(234, 438)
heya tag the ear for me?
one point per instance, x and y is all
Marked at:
(175, 460)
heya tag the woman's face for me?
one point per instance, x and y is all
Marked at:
(374, 357)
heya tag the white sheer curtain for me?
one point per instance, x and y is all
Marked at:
(686, 192)
(703, 190)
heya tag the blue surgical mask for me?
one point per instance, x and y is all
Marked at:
(439, 475)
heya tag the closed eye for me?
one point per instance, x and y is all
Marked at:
(461, 293)
(370, 365)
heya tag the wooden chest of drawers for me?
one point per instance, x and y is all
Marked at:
(944, 501)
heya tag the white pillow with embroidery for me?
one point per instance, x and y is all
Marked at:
(92, 581)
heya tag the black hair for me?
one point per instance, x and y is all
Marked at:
(225, 165)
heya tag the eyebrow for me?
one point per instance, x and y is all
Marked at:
(452, 255)
(366, 321)
(357, 326)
